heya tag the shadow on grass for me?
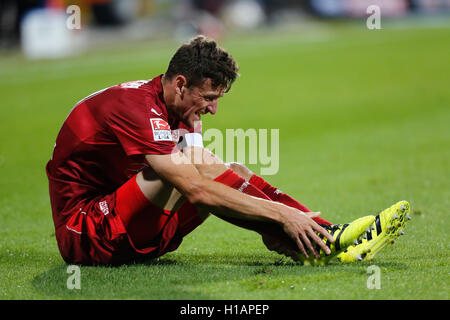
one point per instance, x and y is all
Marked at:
(168, 277)
(181, 275)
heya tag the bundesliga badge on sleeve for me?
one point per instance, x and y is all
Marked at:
(161, 130)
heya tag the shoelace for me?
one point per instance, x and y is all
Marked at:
(332, 230)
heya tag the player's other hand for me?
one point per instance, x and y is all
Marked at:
(303, 230)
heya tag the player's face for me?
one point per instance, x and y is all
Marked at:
(199, 100)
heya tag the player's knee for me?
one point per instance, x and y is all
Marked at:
(240, 169)
(207, 163)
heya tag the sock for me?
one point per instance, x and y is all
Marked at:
(276, 195)
(133, 209)
(231, 179)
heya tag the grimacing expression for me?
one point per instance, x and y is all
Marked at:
(199, 100)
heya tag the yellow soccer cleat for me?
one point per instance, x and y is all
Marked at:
(344, 235)
(388, 226)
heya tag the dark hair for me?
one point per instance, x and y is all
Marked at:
(201, 58)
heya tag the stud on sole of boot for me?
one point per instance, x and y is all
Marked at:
(401, 232)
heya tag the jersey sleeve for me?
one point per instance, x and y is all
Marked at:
(139, 131)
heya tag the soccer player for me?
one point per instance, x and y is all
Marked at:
(124, 185)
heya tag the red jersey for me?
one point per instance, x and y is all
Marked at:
(103, 141)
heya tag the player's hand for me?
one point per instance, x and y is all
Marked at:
(301, 228)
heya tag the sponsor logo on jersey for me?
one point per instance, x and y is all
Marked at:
(155, 112)
(161, 130)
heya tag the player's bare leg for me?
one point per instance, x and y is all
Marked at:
(211, 167)
(240, 169)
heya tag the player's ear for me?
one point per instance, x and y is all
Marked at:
(180, 82)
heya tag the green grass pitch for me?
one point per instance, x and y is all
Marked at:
(364, 122)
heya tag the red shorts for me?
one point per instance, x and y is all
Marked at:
(96, 233)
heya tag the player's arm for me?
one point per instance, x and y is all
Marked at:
(178, 170)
